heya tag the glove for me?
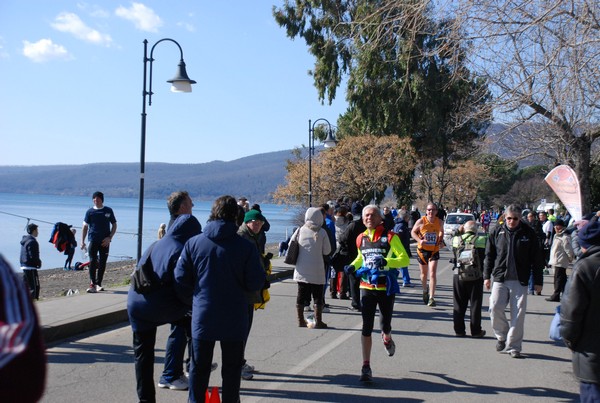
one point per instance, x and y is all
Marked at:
(267, 285)
(269, 256)
(379, 262)
(349, 269)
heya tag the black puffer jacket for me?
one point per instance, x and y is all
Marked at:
(579, 313)
(30, 252)
(526, 249)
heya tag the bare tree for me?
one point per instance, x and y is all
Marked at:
(542, 61)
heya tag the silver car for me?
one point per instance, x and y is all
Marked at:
(453, 223)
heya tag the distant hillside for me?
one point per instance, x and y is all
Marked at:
(255, 177)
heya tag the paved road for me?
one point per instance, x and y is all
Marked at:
(306, 365)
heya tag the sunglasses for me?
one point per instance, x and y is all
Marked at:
(511, 218)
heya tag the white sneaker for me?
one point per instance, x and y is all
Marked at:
(99, 288)
(177, 384)
(91, 289)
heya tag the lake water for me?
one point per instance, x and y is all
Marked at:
(46, 210)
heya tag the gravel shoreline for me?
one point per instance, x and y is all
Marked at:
(57, 282)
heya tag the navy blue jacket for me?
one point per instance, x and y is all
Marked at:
(213, 274)
(162, 305)
(30, 252)
(401, 228)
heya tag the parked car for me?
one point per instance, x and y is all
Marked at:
(453, 223)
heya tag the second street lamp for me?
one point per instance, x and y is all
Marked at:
(180, 83)
(328, 142)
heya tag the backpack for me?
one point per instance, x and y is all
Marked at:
(467, 260)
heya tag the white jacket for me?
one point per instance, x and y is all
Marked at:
(314, 244)
(561, 253)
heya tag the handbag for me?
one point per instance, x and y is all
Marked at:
(293, 249)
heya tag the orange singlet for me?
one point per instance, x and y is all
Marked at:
(429, 233)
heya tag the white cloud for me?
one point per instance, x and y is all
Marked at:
(94, 10)
(144, 18)
(44, 50)
(71, 23)
(187, 26)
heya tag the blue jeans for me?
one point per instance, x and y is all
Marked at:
(589, 392)
(174, 353)
(405, 275)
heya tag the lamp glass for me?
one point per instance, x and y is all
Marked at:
(181, 86)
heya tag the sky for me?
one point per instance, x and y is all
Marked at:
(71, 82)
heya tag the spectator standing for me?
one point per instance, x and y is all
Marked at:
(251, 229)
(99, 225)
(30, 260)
(161, 306)
(512, 251)
(580, 310)
(215, 271)
(70, 250)
(548, 230)
(348, 242)
(468, 292)
(429, 234)
(178, 203)
(339, 282)
(309, 272)
(401, 228)
(380, 254)
(561, 255)
(388, 219)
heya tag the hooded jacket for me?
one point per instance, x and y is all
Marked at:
(162, 305)
(213, 274)
(30, 252)
(579, 313)
(314, 244)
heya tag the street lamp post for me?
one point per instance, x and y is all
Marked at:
(180, 83)
(328, 142)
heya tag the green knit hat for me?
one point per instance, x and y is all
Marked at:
(253, 215)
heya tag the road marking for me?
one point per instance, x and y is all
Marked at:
(307, 362)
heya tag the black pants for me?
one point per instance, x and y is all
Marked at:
(467, 293)
(31, 278)
(354, 290)
(98, 257)
(232, 353)
(560, 281)
(370, 301)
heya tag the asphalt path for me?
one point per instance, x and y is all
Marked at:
(310, 365)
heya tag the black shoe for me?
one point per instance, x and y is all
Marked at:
(479, 335)
(463, 334)
(366, 374)
(552, 299)
(355, 309)
(333, 296)
(501, 345)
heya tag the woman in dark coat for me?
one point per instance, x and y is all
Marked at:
(214, 273)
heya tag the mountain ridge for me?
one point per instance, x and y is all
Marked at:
(255, 177)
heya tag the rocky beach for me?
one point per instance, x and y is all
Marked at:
(57, 282)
